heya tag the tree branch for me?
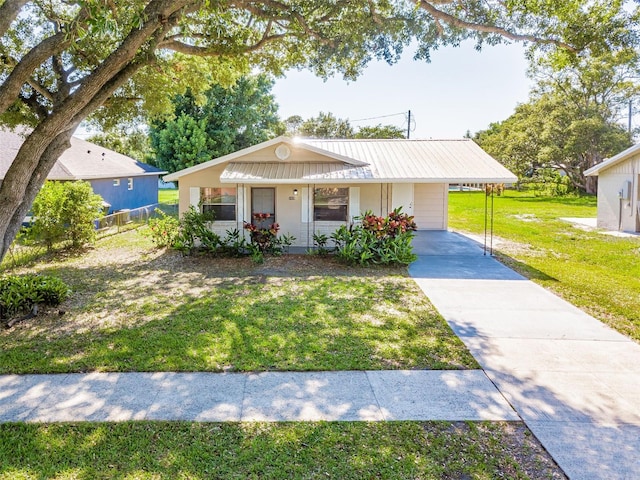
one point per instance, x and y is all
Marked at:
(8, 12)
(478, 27)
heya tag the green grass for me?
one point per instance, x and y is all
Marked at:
(134, 309)
(599, 273)
(168, 196)
(159, 450)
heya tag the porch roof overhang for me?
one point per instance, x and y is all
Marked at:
(288, 173)
(332, 172)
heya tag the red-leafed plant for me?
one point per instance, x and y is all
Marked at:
(391, 226)
(264, 238)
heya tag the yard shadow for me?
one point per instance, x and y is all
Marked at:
(287, 450)
(174, 313)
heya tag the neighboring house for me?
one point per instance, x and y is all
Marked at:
(619, 191)
(314, 186)
(121, 181)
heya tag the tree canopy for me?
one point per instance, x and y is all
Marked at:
(571, 122)
(230, 119)
(64, 61)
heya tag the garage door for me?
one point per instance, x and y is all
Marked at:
(430, 206)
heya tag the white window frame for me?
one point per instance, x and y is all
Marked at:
(204, 202)
(328, 204)
(116, 182)
(130, 183)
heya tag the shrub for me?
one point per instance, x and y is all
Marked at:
(377, 240)
(194, 232)
(163, 229)
(21, 293)
(263, 238)
(65, 211)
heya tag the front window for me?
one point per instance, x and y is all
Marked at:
(129, 183)
(219, 201)
(330, 204)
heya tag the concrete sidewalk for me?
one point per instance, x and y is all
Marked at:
(573, 380)
(270, 396)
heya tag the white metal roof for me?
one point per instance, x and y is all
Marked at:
(610, 162)
(422, 160)
(263, 172)
(411, 161)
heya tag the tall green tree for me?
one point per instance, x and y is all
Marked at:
(230, 119)
(64, 61)
(131, 142)
(380, 131)
(326, 125)
(572, 121)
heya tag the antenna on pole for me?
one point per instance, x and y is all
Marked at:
(409, 125)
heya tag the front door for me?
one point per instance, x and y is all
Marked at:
(263, 201)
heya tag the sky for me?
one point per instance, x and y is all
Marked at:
(461, 89)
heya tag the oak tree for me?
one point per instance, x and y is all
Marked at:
(62, 61)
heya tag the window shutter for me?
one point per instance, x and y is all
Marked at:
(354, 202)
(194, 197)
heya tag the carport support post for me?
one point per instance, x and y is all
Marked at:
(485, 220)
(488, 190)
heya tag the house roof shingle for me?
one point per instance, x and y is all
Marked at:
(83, 161)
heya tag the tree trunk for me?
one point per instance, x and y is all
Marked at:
(591, 185)
(16, 197)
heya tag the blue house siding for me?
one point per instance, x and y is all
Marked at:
(144, 192)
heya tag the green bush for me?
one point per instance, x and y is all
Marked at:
(377, 240)
(20, 293)
(65, 211)
(195, 233)
(163, 229)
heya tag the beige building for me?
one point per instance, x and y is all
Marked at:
(313, 186)
(619, 191)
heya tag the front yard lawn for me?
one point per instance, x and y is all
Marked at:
(336, 450)
(596, 272)
(136, 309)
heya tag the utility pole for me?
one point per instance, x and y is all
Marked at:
(630, 113)
(409, 125)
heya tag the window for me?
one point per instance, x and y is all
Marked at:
(129, 183)
(219, 201)
(116, 182)
(330, 204)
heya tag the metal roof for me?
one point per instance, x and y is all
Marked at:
(422, 160)
(411, 161)
(82, 161)
(238, 172)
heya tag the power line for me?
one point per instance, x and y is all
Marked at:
(381, 116)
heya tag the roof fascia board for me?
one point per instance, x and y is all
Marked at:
(610, 162)
(304, 181)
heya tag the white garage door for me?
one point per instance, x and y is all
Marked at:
(430, 206)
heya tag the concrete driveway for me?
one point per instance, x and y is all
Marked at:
(573, 380)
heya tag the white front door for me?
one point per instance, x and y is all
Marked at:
(263, 200)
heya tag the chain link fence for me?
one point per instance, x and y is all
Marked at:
(129, 219)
